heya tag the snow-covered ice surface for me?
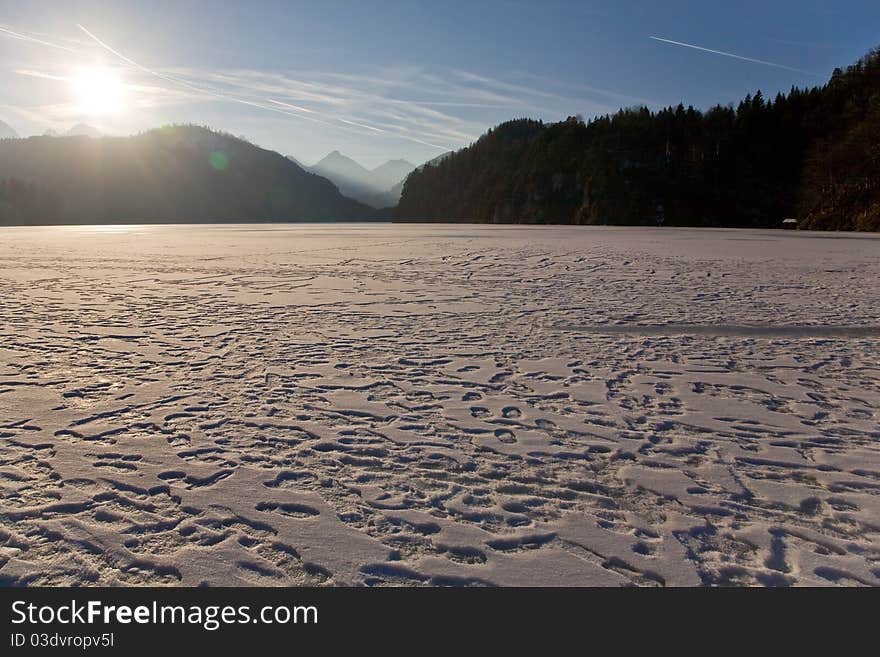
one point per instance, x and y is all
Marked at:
(380, 404)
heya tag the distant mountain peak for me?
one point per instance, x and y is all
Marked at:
(392, 172)
(83, 130)
(6, 131)
(338, 158)
(375, 187)
(339, 165)
(398, 162)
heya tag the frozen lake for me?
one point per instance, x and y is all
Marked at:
(443, 404)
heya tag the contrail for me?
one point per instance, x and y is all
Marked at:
(203, 90)
(296, 107)
(161, 76)
(361, 125)
(734, 56)
(280, 108)
(32, 39)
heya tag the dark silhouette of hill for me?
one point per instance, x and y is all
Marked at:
(813, 154)
(841, 179)
(397, 189)
(172, 174)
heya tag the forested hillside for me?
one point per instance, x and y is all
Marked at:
(813, 154)
(173, 174)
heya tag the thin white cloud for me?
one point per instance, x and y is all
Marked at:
(349, 100)
(732, 55)
(437, 109)
(31, 38)
(271, 105)
(42, 75)
(290, 106)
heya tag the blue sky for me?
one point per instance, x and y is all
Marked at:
(384, 79)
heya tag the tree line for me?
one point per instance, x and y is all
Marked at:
(811, 154)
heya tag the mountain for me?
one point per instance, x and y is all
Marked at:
(297, 162)
(337, 164)
(370, 186)
(78, 130)
(172, 174)
(840, 186)
(392, 172)
(397, 189)
(813, 154)
(6, 131)
(83, 130)
(351, 178)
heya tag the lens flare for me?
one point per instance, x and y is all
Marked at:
(219, 160)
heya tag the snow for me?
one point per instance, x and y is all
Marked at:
(438, 404)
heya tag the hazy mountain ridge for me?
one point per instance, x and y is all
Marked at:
(83, 130)
(378, 187)
(392, 172)
(7, 131)
(813, 154)
(172, 174)
(78, 130)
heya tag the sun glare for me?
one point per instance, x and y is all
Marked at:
(98, 91)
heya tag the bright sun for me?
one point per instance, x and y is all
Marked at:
(98, 90)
